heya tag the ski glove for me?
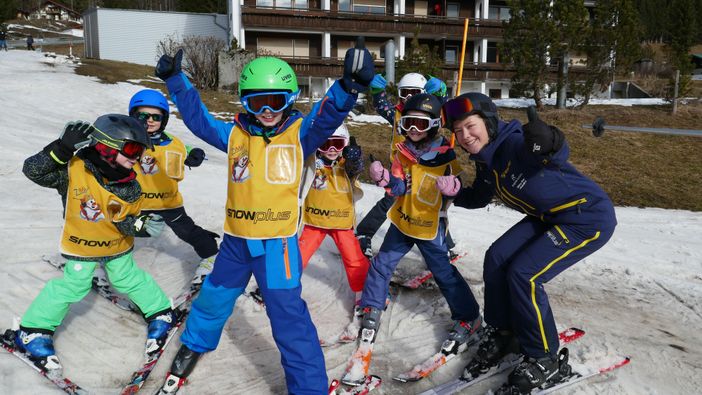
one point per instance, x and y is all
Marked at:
(195, 157)
(542, 139)
(148, 225)
(75, 135)
(358, 68)
(436, 87)
(378, 84)
(168, 66)
(448, 185)
(379, 174)
(353, 155)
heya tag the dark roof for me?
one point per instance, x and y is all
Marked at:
(56, 3)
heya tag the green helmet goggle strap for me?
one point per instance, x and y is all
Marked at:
(267, 74)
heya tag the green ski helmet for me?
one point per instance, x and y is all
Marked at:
(267, 74)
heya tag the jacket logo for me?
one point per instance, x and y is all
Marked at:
(256, 216)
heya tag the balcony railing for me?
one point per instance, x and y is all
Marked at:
(304, 20)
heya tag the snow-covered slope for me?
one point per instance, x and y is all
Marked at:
(638, 296)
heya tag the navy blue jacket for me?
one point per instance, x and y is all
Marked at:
(547, 188)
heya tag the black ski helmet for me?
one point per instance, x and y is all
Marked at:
(427, 103)
(114, 130)
(468, 104)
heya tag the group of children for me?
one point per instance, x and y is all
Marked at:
(286, 169)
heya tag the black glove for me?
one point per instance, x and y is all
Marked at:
(75, 135)
(195, 157)
(542, 139)
(353, 155)
(358, 68)
(169, 66)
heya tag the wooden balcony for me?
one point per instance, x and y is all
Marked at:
(333, 21)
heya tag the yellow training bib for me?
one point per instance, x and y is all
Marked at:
(88, 229)
(159, 172)
(263, 184)
(329, 203)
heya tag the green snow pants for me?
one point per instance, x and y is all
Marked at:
(50, 307)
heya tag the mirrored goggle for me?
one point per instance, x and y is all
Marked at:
(144, 116)
(333, 144)
(421, 124)
(405, 93)
(257, 103)
(455, 109)
(132, 150)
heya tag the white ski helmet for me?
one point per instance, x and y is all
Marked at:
(333, 143)
(410, 84)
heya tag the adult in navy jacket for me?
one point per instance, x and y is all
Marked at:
(568, 217)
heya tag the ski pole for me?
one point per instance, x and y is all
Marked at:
(599, 125)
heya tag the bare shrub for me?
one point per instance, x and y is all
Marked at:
(200, 58)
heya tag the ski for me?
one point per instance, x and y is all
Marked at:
(420, 280)
(565, 337)
(369, 384)
(102, 287)
(576, 377)
(140, 375)
(68, 386)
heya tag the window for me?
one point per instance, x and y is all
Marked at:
(495, 93)
(492, 52)
(265, 3)
(299, 4)
(369, 6)
(285, 47)
(498, 13)
(420, 8)
(450, 55)
(453, 10)
(344, 5)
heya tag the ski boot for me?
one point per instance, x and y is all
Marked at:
(158, 326)
(38, 345)
(462, 335)
(257, 297)
(100, 278)
(365, 243)
(183, 364)
(370, 323)
(537, 372)
(453, 256)
(203, 269)
(494, 345)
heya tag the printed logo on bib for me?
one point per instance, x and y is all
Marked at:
(320, 180)
(90, 209)
(148, 165)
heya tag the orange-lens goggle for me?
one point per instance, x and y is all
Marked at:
(132, 150)
(455, 109)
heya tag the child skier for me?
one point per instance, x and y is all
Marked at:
(102, 202)
(418, 217)
(568, 217)
(159, 172)
(329, 206)
(410, 84)
(266, 146)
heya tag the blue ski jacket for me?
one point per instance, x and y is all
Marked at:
(545, 187)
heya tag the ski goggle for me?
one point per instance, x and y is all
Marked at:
(132, 150)
(256, 103)
(455, 109)
(144, 116)
(406, 93)
(333, 144)
(419, 123)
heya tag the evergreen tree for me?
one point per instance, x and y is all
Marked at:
(683, 31)
(571, 22)
(419, 59)
(612, 45)
(527, 37)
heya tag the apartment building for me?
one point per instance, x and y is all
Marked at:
(313, 36)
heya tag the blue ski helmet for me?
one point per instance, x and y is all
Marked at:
(150, 98)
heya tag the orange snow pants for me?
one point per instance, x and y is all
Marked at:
(355, 263)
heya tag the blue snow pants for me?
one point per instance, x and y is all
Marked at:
(292, 327)
(453, 286)
(517, 266)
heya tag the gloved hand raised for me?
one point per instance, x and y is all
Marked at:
(435, 86)
(354, 157)
(148, 225)
(169, 66)
(378, 84)
(379, 174)
(195, 157)
(75, 135)
(542, 139)
(448, 185)
(358, 68)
